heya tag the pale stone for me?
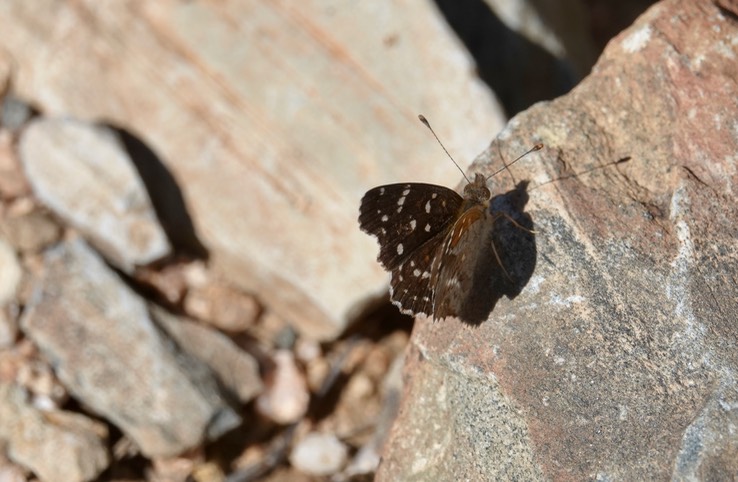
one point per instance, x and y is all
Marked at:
(285, 398)
(319, 454)
(30, 232)
(56, 446)
(236, 369)
(113, 358)
(10, 273)
(307, 350)
(222, 306)
(83, 174)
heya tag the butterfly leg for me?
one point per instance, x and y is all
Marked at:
(509, 218)
(494, 248)
(499, 261)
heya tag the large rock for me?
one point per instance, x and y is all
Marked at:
(617, 359)
(236, 369)
(83, 173)
(274, 118)
(113, 358)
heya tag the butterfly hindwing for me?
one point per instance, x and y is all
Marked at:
(461, 269)
(412, 288)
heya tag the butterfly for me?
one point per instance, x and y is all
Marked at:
(431, 239)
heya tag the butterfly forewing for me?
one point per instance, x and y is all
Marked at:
(404, 217)
(410, 221)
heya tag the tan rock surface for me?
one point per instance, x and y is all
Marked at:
(264, 123)
(58, 446)
(84, 175)
(236, 369)
(274, 117)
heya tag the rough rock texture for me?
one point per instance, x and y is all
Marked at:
(273, 117)
(56, 445)
(111, 356)
(236, 369)
(83, 174)
(617, 359)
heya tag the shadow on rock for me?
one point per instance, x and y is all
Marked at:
(505, 259)
(165, 194)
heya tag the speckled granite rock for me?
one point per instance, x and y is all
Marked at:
(614, 358)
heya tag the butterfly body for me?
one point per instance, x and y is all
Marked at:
(426, 235)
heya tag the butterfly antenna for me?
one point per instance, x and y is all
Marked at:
(581, 173)
(537, 147)
(427, 124)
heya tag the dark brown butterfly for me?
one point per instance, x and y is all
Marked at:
(429, 238)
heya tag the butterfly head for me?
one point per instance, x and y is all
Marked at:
(477, 190)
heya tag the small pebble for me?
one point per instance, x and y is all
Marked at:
(319, 454)
(285, 399)
(317, 371)
(10, 273)
(359, 387)
(307, 350)
(30, 232)
(219, 304)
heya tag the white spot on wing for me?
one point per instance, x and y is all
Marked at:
(381, 191)
(434, 195)
(425, 275)
(427, 207)
(416, 272)
(400, 248)
(385, 218)
(406, 192)
(413, 223)
(401, 201)
(427, 228)
(399, 210)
